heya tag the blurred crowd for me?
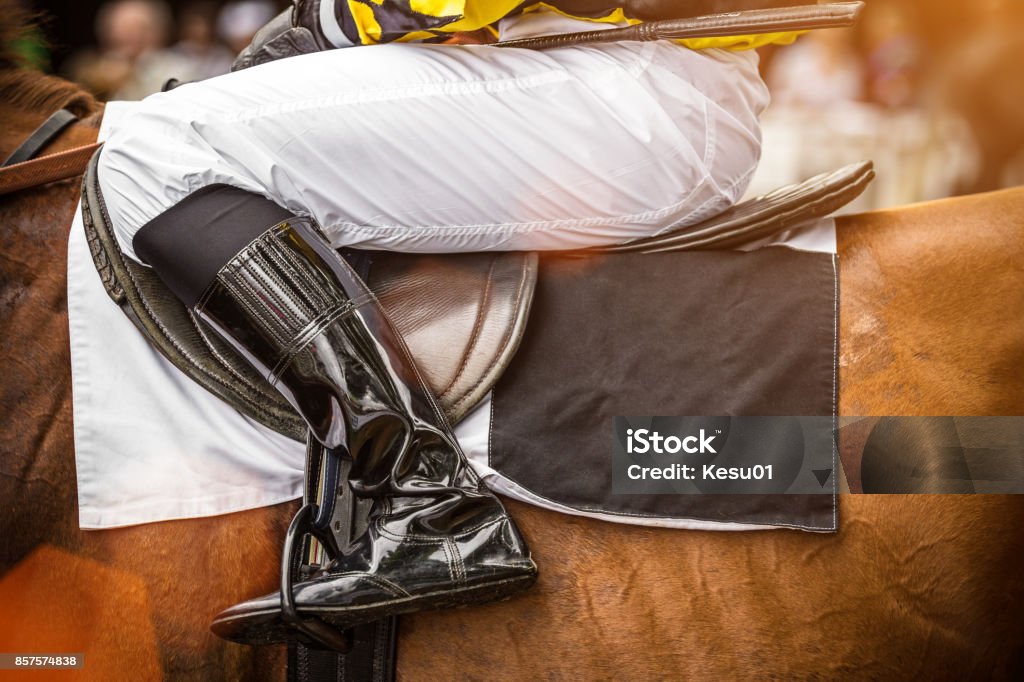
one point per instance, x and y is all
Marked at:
(931, 90)
(141, 44)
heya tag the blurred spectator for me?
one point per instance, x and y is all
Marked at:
(892, 56)
(239, 21)
(979, 76)
(821, 69)
(197, 42)
(131, 61)
(843, 95)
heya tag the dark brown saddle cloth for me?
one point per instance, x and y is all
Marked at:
(462, 315)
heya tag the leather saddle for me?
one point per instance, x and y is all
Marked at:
(462, 315)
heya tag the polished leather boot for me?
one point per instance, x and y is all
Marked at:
(436, 536)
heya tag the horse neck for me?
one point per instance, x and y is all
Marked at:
(28, 98)
(41, 215)
(35, 220)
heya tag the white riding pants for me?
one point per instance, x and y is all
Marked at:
(438, 148)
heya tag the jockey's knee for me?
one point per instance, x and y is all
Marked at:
(704, 162)
(733, 124)
(739, 130)
(136, 168)
(736, 157)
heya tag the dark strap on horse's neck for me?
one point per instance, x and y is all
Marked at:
(22, 170)
(41, 136)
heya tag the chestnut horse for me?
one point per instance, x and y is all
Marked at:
(932, 323)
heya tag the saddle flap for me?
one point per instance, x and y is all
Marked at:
(761, 216)
(462, 317)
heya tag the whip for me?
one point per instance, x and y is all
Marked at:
(746, 22)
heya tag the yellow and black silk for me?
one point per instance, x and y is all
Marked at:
(367, 22)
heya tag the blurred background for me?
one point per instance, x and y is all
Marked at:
(931, 90)
(127, 49)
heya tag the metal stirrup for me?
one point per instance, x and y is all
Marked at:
(319, 631)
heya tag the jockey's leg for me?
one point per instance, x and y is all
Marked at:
(414, 148)
(443, 148)
(273, 287)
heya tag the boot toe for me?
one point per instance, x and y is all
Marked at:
(348, 599)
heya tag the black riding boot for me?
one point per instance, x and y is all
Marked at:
(288, 303)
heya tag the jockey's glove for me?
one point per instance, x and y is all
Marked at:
(294, 31)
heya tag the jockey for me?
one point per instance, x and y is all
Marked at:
(238, 190)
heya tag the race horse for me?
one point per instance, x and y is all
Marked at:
(926, 586)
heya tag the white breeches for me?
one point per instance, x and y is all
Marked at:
(444, 148)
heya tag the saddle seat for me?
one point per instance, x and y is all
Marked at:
(462, 315)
